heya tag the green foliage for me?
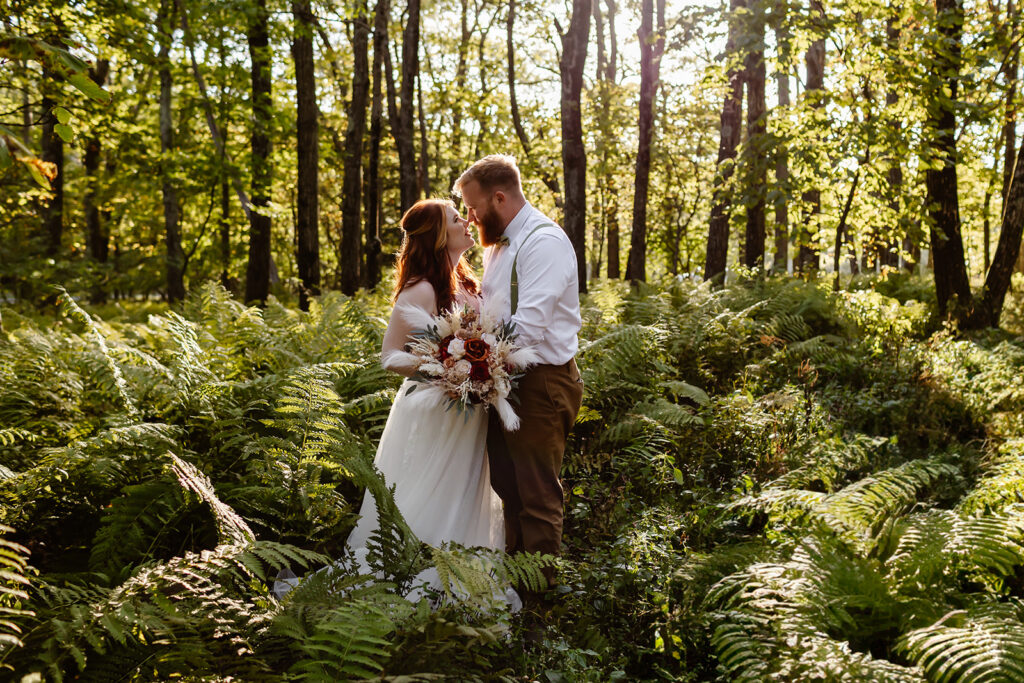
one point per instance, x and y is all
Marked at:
(766, 482)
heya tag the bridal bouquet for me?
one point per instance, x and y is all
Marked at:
(470, 359)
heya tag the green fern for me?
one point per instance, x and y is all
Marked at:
(983, 643)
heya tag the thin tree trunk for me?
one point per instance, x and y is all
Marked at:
(257, 274)
(815, 62)
(550, 180)
(175, 256)
(574, 156)
(225, 235)
(52, 147)
(841, 228)
(307, 224)
(756, 162)
(721, 202)
(780, 262)
(96, 238)
(947, 248)
(890, 255)
(423, 174)
(651, 47)
(989, 309)
(402, 125)
(611, 188)
(351, 185)
(372, 243)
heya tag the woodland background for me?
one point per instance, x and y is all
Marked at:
(798, 226)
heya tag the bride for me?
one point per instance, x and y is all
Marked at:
(434, 458)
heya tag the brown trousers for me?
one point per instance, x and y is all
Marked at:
(525, 464)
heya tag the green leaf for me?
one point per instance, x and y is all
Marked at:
(65, 132)
(677, 474)
(88, 87)
(62, 114)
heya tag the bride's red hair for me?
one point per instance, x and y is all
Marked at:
(424, 254)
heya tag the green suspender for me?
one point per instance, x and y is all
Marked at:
(515, 275)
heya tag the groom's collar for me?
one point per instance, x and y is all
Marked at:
(516, 225)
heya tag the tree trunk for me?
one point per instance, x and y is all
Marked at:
(372, 243)
(651, 48)
(225, 235)
(815, 62)
(549, 180)
(780, 263)
(997, 282)
(756, 162)
(574, 157)
(52, 147)
(889, 251)
(175, 257)
(402, 124)
(423, 172)
(947, 249)
(307, 224)
(721, 201)
(257, 274)
(97, 240)
(351, 185)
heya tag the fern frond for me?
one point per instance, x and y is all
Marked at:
(983, 643)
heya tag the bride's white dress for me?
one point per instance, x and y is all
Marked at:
(437, 463)
(436, 460)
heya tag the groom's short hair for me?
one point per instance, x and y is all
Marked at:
(493, 172)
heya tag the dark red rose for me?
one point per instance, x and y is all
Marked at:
(477, 350)
(444, 355)
(480, 372)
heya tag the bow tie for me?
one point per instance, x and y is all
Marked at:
(503, 241)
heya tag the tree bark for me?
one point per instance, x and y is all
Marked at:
(307, 224)
(756, 163)
(402, 125)
(550, 180)
(574, 156)
(351, 185)
(423, 172)
(815, 62)
(989, 309)
(889, 251)
(96, 238)
(780, 262)
(611, 189)
(52, 148)
(257, 274)
(372, 244)
(947, 249)
(652, 45)
(175, 256)
(729, 138)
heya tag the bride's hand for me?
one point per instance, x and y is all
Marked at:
(472, 300)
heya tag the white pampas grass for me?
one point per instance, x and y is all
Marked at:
(523, 357)
(508, 416)
(419, 318)
(396, 359)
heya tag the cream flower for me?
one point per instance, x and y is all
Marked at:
(460, 371)
(457, 348)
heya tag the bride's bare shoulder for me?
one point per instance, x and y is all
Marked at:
(420, 294)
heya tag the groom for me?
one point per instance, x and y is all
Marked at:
(529, 263)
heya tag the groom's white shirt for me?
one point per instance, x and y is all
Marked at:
(548, 314)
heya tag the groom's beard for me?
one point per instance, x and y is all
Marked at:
(490, 227)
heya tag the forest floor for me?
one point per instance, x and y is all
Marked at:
(771, 481)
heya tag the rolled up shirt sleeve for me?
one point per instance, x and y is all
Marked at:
(544, 272)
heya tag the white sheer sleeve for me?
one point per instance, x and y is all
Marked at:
(414, 307)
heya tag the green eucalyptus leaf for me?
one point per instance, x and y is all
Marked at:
(62, 114)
